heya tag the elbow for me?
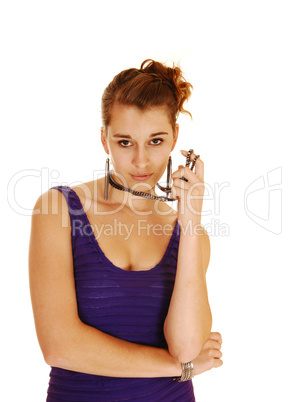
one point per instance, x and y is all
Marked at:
(47, 352)
(58, 344)
(53, 358)
(57, 360)
(50, 359)
(187, 348)
(56, 353)
(184, 353)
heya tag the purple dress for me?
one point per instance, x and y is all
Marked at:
(130, 305)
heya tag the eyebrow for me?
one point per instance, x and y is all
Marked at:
(150, 136)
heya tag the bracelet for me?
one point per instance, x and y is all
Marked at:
(187, 372)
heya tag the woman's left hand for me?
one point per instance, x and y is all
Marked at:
(189, 193)
(210, 355)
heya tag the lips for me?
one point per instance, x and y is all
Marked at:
(142, 176)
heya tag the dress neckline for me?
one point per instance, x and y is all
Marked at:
(103, 255)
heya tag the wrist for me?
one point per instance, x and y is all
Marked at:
(178, 371)
(187, 372)
(190, 226)
(188, 211)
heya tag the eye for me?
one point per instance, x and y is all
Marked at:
(158, 139)
(122, 143)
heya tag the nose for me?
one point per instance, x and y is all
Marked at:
(140, 159)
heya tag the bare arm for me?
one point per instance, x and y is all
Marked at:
(188, 322)
(65, 341)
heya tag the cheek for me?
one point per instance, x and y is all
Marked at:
(162, 166)
(119, 161)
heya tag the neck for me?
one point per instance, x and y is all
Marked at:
(136, 201)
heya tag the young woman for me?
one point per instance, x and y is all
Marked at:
(118, 277)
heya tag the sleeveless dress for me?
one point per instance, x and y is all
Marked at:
(130, 305)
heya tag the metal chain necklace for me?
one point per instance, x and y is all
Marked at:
(138, 193)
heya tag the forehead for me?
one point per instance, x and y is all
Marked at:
(132, 120)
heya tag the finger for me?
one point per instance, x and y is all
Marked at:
(179, 172)
(188, 174)
(183, 152)
(177, 192)
(183, 190)
(215, 344)
(192, 155)
(199, 165)
(216, 336)
(218, 363)
(180, 169)
(215, 353)
(212, 344)
(181, 184)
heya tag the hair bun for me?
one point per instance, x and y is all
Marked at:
(171, 76)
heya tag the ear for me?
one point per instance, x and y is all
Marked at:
(176, 132)
(103, 140)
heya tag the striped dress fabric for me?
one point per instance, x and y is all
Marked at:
(130, 305)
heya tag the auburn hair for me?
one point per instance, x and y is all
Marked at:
(154, 84)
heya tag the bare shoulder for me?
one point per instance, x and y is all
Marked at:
(50, 236)
(52, 207)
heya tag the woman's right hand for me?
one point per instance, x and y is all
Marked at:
(210, 355)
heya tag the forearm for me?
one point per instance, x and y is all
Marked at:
(88, 350)
(188, 322)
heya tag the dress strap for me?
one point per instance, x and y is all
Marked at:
(78, 217)
(74, 205)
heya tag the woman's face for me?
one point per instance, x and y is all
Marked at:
(139, 143)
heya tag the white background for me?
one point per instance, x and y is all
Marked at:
(57, 58)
